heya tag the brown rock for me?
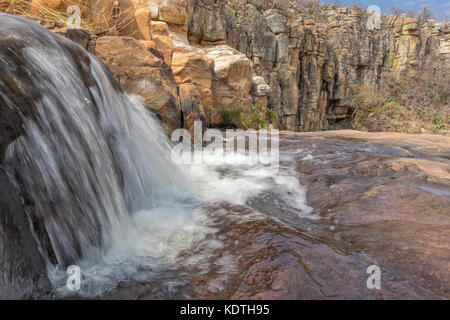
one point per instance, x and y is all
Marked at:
(231, 83)
(160, 28)
(192, 107)
(189, 64)
(165, 45)
(139, 71)
(174, 11)
(134, 19)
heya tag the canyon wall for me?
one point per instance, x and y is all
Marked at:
(225, 55)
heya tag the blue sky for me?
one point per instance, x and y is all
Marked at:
(438, 7)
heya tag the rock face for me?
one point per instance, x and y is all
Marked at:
(209, 76)
(139, 71)
(231, 82)
(309, 60)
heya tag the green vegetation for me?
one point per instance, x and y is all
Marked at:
(258, 117)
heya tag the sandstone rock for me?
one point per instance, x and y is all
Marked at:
(161, 37)
(410, 27)
(231, 82)
(153, 7)
(325, 57)
(175, 11)
(206, 26)
(192, 107)
(165, 45)
(190, 64)
(159, 28)
(139, 71)
(148, 44)
(270, 46)
(134, 19)
(282, 52)
(328, 57)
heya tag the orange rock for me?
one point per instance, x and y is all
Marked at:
(165, 45)
(173, 11)
(140, 70)
(148, 43)
(192, 106)
(159, 28)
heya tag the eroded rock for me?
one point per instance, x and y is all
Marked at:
(139, 71)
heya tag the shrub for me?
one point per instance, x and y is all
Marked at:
(411, 103)
(255, 119)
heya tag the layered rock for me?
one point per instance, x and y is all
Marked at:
(143, 72)
(208, 77)
(310, 60)
(231, 82)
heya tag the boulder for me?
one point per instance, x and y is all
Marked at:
(190, 64)
(231, 82)
(141, 70)
(159, 28)
(134, 19)
(174, 11)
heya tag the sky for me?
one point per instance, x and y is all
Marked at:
(438, 7)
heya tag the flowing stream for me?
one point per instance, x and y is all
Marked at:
(94, 167)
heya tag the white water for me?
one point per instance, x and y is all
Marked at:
(96, 165)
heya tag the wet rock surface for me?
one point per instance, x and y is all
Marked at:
(378, 199)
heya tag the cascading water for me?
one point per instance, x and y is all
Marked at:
(94, 168)
(90, 155)
(86, 179)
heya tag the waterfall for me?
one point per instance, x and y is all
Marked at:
(94, 170)
(89, 155)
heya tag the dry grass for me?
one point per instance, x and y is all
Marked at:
(102, 17)
(410, 103)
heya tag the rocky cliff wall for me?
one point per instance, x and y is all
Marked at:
(231, 54)
(311, 61)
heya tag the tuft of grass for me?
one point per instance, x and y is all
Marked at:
(97, 17)
(441, 123)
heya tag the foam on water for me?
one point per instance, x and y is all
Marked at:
(96, 166)
(233, 178)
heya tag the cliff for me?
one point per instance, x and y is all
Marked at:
(229, 56)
